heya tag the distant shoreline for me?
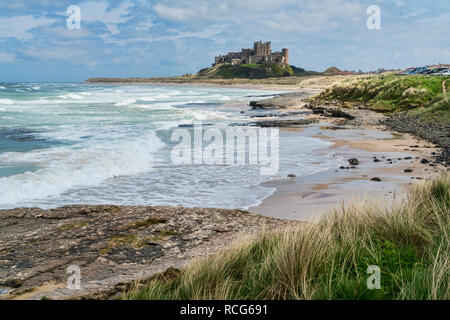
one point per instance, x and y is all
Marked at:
(199, 84)
(283, 83)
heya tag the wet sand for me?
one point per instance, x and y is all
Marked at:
(309, 198)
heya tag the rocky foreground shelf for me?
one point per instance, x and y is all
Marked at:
(112, 245)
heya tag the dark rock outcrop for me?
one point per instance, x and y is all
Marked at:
(112, 245)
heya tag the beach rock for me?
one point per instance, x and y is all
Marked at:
(376, 179)
(353, 162)
(112, 245)
(437, 133)
(282, 101)
(283, 123)
(275, 114)
(261, 105)
(424, 161)
(330, 112)
(408, 170)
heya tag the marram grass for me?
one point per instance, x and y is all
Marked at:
(392, 93)
(329, 259)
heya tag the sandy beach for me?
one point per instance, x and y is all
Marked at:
(309, 198)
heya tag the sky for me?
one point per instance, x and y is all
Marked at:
(150, 38)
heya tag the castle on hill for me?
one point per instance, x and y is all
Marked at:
(261, 53)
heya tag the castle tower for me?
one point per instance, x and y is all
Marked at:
(257, 48)
(268, 48)
(285, 53)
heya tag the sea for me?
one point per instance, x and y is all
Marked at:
(76, 143)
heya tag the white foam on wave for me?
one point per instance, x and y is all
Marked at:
(162, 96)
(89, 166)
(155, 106)
(125, 102)
(6, 101)
(71, 96)
(2, 88)
(146, 99)
(203, 115)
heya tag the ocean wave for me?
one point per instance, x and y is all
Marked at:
(125, 102)
(89, 166)
(6, 101)
(146, 99)
(71, 96)
(202, 115)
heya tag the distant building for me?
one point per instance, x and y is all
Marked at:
(261, 53)
(440, 65)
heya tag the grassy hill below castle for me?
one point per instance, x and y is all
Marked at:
(252, 71)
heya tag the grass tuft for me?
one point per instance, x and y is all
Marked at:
(329, 259)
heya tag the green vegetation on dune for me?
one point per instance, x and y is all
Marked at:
(329, 260)
(390, 93)
(436, 111)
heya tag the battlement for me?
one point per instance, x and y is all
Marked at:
(261, 53)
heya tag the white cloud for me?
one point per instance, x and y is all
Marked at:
(64, 32)
(174, 14)
(144, 25)
(94, 11)
(7, 57)
(174, 35)
(19, 27)
(70, 54)
(265, 17)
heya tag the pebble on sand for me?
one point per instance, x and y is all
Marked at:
(292, 176)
